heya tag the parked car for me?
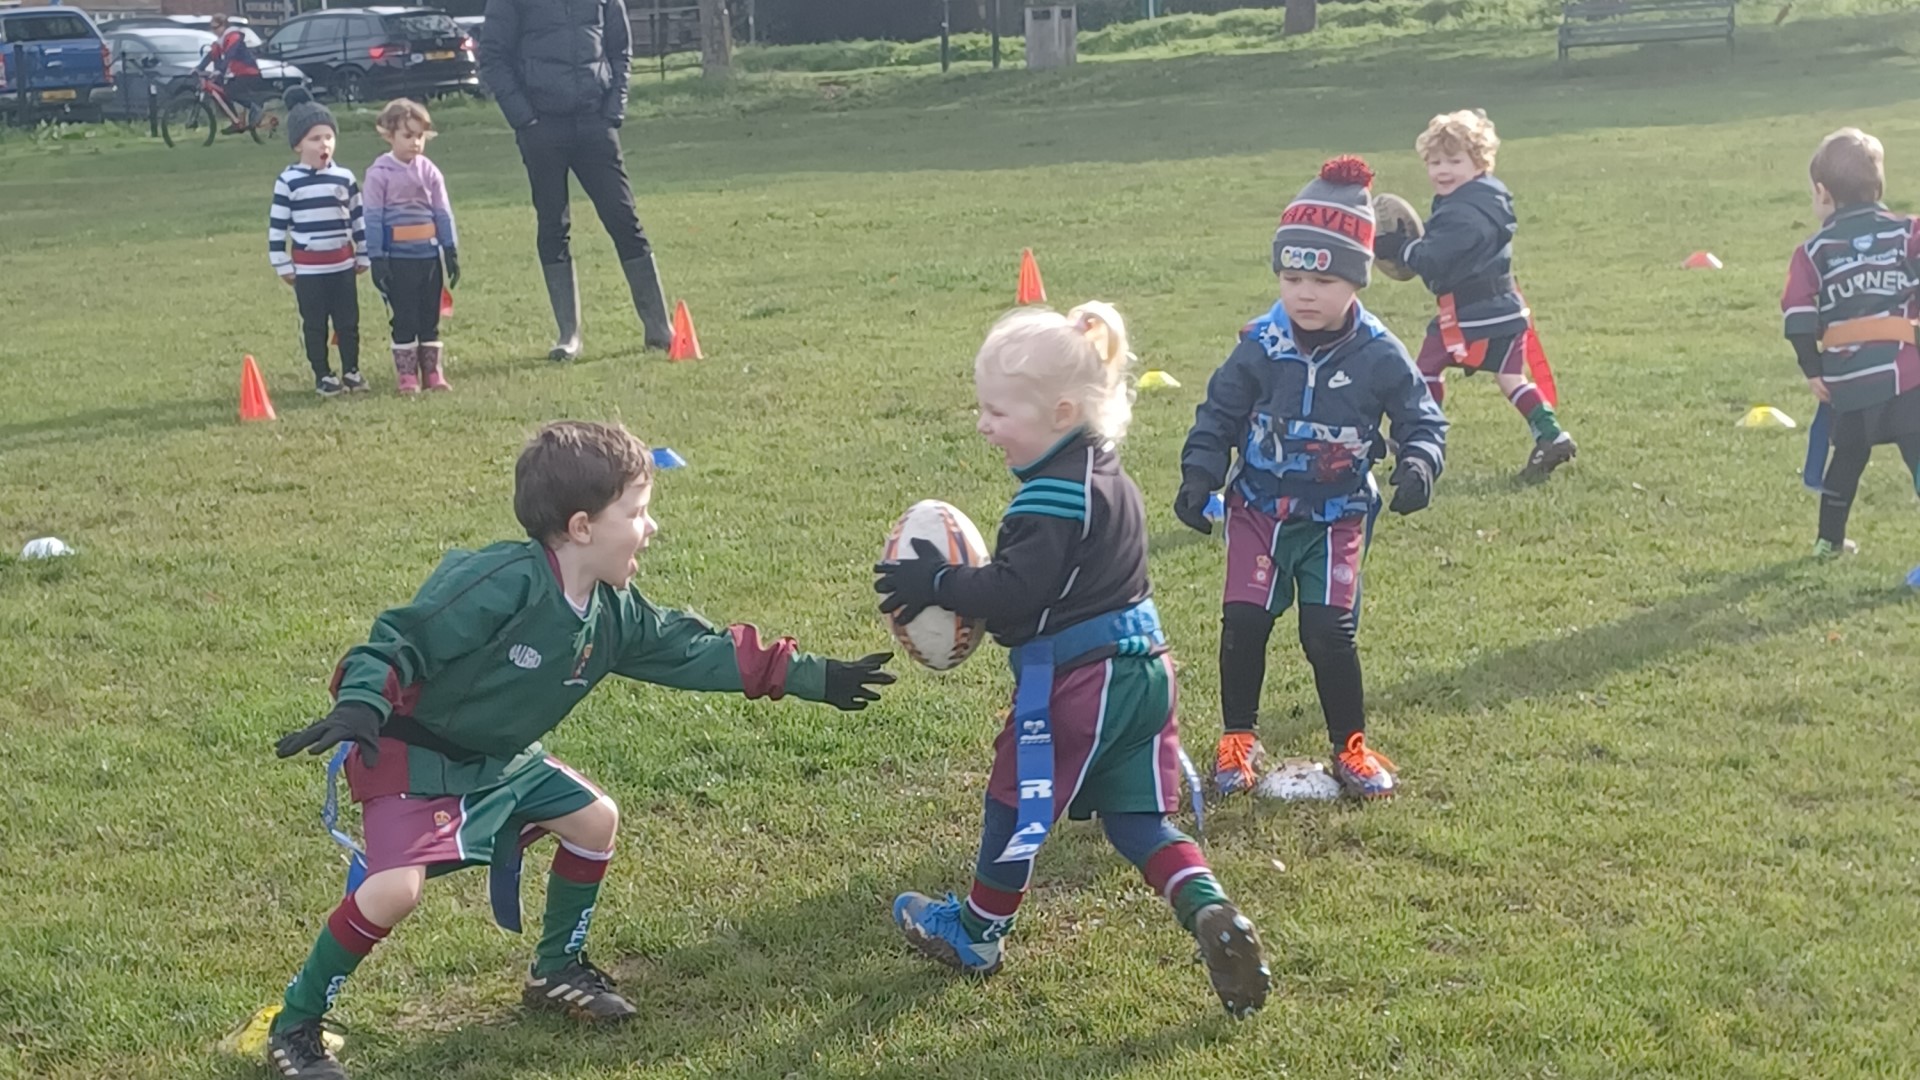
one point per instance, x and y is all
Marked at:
(473, 26)
(193, 22)
(51, 60)
(379, 52)
(164, 57)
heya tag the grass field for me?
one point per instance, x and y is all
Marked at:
(1662, 777)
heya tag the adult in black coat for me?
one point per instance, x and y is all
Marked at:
(558, 68)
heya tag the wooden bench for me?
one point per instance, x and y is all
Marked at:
(1586, 23)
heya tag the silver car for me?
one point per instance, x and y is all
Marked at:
(163, 57)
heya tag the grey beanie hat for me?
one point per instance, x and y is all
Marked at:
(304, 114)
(1328, 228)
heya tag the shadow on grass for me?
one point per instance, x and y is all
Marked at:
(149, 419)
(1585, 659)
(796, 980)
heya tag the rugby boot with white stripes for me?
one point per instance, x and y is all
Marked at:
(579, 989)
(1548, 455)
(933, 928)
(300, 1052)
(1236, 964)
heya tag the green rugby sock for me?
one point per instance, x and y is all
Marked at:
(573, 885)
(1545, 425)
(348, 938)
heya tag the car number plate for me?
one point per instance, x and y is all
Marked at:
(448, 55)
(56, 95)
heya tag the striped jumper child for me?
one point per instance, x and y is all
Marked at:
(409, 234)
(317, 242)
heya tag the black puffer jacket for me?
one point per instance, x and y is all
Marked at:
(556, 58)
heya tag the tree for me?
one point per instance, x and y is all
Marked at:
(716, 40)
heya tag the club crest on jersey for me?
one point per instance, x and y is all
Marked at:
(524, 657)
(1305, 258)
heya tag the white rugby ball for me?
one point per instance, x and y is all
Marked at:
(937, 638)
(1296, 779)
(46, 547)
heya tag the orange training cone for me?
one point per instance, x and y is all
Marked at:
(1031, 290)
(1702, 260)
(254, 403)
(686, 346)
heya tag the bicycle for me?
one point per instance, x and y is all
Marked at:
(191, 115)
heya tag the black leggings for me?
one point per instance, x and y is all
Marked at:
(1842, 482)
(334, 297)
(413, 292)
(1327, 635)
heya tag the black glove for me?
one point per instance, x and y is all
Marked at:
(1412, 482)
(908, 584)
(852, 684)
(350, 721)
(1391, 246)
(1190, 506)
(452, 259)
(381, 271)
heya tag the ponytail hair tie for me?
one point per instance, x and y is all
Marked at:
(1101, 325)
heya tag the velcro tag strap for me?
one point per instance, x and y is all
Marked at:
(1033, 735)
(1876, 328)
(1450, 335)
(330, 818)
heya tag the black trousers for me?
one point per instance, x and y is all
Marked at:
(589, 147)
(327, 298)
(1327, 635)
(413, 294)
(1842, 481)
(245, 91)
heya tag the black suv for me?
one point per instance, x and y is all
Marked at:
(378, 52)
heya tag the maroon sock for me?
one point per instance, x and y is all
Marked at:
(1526, 398)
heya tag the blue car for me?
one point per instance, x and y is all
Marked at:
(51, 61)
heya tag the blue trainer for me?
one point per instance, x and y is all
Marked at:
(933, 929)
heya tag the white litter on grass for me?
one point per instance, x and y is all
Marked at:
(1297, 779)
(46, 547)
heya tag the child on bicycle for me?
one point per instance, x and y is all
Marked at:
(239, 74)
(409, 235)
(317, 242)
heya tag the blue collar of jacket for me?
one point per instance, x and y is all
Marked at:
(1485, 182)
(1026, 472)
(1274, 332)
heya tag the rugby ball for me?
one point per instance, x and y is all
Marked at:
(1298, 779)
(937, 638)
(1392, 212)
